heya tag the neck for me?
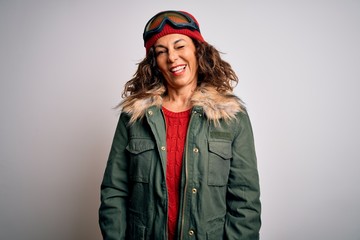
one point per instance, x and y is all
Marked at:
(178, 100)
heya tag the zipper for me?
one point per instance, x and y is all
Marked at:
(186, 177)
(167, 194)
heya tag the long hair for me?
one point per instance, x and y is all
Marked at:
(213, 71)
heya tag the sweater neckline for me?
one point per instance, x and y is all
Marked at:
(169, 113)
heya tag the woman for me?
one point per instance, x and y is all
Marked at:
(182, 163)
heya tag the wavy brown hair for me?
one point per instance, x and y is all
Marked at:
(212, 71)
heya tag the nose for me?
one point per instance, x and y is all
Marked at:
(172, 55)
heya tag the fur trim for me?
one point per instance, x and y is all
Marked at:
(216, 105)
(136, 106)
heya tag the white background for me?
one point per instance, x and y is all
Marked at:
(63, 65)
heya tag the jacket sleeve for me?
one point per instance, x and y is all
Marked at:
(243, 193)
(114, 187)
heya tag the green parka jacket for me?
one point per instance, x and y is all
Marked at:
(220, 196)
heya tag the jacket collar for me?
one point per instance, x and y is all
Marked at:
(215, 105)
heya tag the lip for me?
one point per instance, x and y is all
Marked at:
(178, 69)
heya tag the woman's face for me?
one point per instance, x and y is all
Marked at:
(176, 59)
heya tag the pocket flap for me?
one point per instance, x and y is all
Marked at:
(137, 146)
(221, 148)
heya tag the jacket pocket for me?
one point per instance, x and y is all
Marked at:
(216, 231)
(220, 153)
(141, 155)
(136, 230)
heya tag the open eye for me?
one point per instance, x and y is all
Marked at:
(157, 53)
(160, 50)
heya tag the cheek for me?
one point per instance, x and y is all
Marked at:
(192, 59)
(161, 65)
(194, 64)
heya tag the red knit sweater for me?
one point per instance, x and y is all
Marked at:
(176, 129)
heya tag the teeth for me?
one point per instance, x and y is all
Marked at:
(179, 68)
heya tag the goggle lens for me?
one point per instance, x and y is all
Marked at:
(173, 17)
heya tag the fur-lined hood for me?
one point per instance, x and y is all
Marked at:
(216, 105)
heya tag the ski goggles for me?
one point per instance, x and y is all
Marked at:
(176, 19)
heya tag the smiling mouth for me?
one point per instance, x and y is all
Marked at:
(178, 69)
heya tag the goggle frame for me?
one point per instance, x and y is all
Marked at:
(190, 24)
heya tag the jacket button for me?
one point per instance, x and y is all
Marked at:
(191, 232)
(196, 150)
(163, 148)
(150, 112)
(194, 190)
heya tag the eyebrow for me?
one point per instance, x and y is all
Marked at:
(175, 42)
